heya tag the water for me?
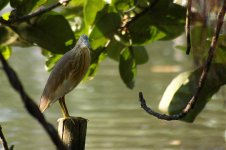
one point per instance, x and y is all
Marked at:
(116, 121)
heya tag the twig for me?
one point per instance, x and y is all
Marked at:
(137, 16)
(29, 104)
(2, 138)
(37, 13)
(202, 78)
(188, 24)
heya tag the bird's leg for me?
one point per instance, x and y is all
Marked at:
(64, 107)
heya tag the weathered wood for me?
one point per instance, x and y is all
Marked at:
(72, 131)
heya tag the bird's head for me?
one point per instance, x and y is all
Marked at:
(83, 41)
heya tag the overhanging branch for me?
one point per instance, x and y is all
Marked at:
(29, 104)
(34, 14)
(202, 78)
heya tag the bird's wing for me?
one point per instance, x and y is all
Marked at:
(55, 81)
(66, 75)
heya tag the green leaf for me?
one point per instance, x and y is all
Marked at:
(174, 22)
(140, 54)
(25, 6)
(122, 5)
(96, 57)
(142, 33)
(104, 29)
(6, 51)
(183, 87)
(75, 3)
(51, 61)
(127, 67)
(90, 10)
(147, 28)
(50, 31)
(3, 3)
(114, 49)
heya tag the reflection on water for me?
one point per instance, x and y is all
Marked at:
(116, 121)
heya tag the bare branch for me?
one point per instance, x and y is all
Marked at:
(158, 115)
(202, 78)
(188, 24)
(2, 138)
(30, 105)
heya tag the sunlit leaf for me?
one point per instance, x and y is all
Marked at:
(76, 3)
(127, 68)
(104, 28)
(50, 31)
(51, 61)
(6, 16)
(122, 5)
(183, 87)
(90, 10)
(96, 57)
(6, 51)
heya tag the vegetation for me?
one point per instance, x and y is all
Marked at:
(119, 30)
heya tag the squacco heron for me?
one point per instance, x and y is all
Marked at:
(66, 75)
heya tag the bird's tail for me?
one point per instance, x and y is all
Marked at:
(44, 104)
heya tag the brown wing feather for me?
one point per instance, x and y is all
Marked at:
(71, 68)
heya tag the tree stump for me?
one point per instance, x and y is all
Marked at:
(72, 132)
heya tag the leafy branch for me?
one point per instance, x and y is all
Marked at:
(202, 78)
(37, 13)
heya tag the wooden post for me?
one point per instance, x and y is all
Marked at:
(72, 131)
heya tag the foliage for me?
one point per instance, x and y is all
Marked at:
(118, 30)
(115, 29)
(181, 89)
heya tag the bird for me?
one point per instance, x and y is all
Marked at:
(66, 75)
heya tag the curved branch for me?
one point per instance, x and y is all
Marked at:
(158, 115)
(37, 13)
(30, 105)
(202, 78)
(2, 138)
